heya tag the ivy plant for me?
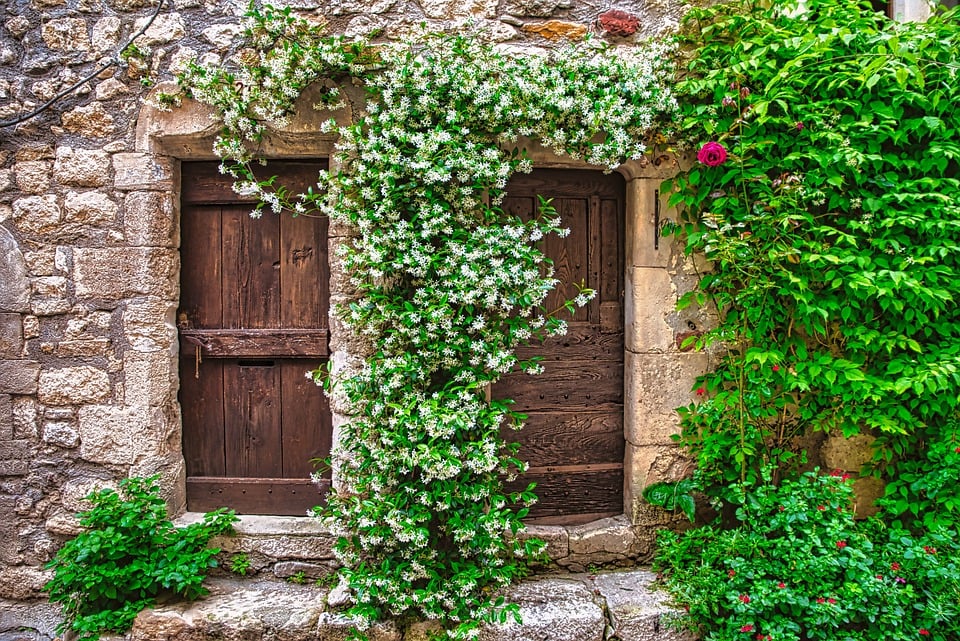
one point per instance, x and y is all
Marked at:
(447, 283)
(128, 554)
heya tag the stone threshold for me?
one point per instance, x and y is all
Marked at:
(286, 546)
(619, 606)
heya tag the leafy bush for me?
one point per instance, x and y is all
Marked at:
(799, 567)
(129, 554)
(832, 222)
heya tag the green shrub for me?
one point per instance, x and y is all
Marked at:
(128, 555)
(799, 567)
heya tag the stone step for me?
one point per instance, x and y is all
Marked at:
(618, 605)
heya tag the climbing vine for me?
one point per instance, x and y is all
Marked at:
(447, 283)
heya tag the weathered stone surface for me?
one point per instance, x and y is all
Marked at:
(149, 379)
(38, 616)
(655, 385)
(82, 167)
(111, 88)
(149, 325)
(6, 417)
(532, 8)
(41, 262)
(11, 335)
(63, 524)
(89, 208)
(25, 415)
(143, 171)
(116, 273)
(73, 385)
(448, 9)
(49, 286)
(341, 7)
(150, 219)
(61, 434)
(33, 177)
(120, 435)
(638, 612)
(66, 34)
(556, 538)
(89, 120)
(556, 30)
(14, 284)
(649, 464)
(36, 214)
(287, 569)
(337, 627)
(166, 28)
(847, 454)
(221, 36)
(602, 541)
(237, 610)
(19, 377)
(280, 547)
(22, 582)
(75, 492)
(364, 26)
(618, 23)
(554, 609)
(105, 35)
(650, 298)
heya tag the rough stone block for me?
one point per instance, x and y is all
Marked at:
(61, 434)
(36, 615)
(90, 208)
(66, 34)
(847, 454)
(11, 335)
(287, 569)
(237, 610)
(149, 378)
(116, 273)
(19, 377)
(164, 29)
(105, 36)
(149, 325)
(91, 121)
(135, 171)
(22, 583)
(24, 417)
(655, 385)
(14, 284)
(649, 464)
(82, 167)
(556, 30)
(650, 299)
(33, 177)
(150, 219)
(36, 214)
(638, 612)
(73, 385)
(6, 417)
(555, 609)
(449, 9)
(644, 248)
(556, 538)
(121, 435)
(602, 541)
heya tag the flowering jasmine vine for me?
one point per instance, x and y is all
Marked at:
(447, 283)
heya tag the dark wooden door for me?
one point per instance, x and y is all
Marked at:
(573, 438)
(252, 321)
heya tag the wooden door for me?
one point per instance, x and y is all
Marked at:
(252, 321)
(573, 438)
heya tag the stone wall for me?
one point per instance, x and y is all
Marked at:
(89, 262)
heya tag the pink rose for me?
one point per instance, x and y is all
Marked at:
(712, 154)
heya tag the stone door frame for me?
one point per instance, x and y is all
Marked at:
(658, 375)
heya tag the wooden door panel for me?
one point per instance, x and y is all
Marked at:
(254, 302)
(307, 429)
(201, 400)
(251, 269)
(573, 439)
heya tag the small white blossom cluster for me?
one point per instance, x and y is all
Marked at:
(449, 284)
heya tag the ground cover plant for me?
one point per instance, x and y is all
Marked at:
(825, 193)
(128, 554)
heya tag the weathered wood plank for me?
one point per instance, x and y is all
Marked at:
(200, 268)
(570, 438)
(307, 428)
(566, 386)
(582, 341)
(203, 183)
(251, 270)
(304, 285)
(273, 496)
(267, 343)
(201, 401)
(569, 493)
(252, 418)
